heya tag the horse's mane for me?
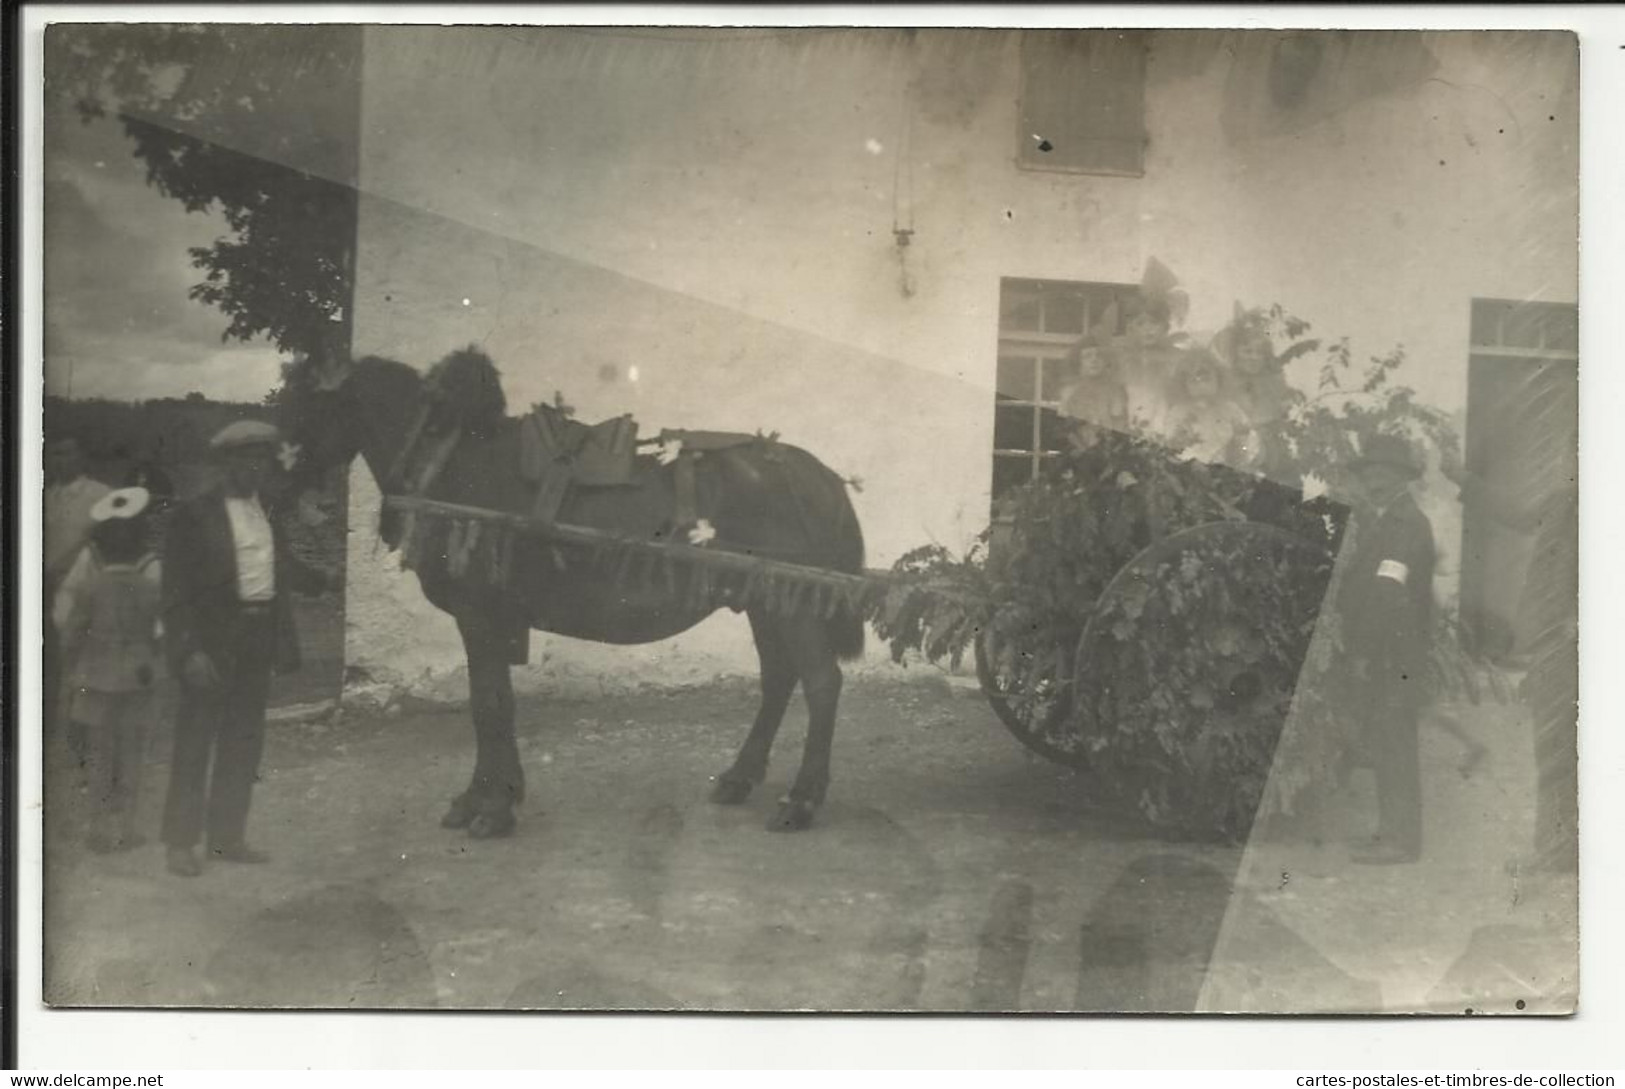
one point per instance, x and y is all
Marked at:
(467, 384)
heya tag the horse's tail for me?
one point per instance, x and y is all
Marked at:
(846, 632)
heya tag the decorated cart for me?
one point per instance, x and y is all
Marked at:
(1142, 611)
(1184, 621)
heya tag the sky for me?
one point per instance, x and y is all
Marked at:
(118, 322)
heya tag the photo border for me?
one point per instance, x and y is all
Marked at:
(159, 1040)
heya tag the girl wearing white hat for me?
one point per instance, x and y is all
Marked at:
(108, 613)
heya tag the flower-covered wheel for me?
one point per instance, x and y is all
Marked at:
(1028, 680)
(1193, 653)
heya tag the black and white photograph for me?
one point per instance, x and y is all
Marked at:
(836, 519)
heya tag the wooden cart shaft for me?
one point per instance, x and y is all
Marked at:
(870, 582)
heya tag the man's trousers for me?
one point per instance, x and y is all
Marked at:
(225, 722)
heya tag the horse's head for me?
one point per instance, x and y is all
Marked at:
(319, 415)
(334, 409)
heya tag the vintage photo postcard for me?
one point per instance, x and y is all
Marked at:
(836, 519)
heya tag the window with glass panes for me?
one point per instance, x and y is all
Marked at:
(1040, 322)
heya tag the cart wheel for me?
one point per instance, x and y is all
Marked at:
(1028, 680)
(1214, 716)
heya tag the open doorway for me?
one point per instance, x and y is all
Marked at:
(1517, 348)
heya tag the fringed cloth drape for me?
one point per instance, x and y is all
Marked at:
(479, 545)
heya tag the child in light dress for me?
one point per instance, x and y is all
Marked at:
(1255, 381)
(1153, 342)
(1096, 399)
(107, 610)
(1201, 422)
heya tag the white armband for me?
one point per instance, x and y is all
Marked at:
(1393, 569)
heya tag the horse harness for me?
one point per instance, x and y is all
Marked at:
(557, 455)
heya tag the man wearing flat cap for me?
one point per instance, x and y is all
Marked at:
(228, 624)
(1385, 603)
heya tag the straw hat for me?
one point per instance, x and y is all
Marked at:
(244, 433)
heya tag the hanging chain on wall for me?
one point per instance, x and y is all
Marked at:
(902, 199)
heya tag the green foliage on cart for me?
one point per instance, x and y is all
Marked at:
(1154, 620)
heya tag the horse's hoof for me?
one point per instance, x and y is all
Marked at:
(491, 826)
(792, 816)
(731, 791)
(460, 814)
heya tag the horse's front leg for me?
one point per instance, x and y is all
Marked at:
(486, 808)
(820, 672)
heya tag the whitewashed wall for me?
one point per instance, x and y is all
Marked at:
(719, 216)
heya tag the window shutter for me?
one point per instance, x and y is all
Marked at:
(1083, 101)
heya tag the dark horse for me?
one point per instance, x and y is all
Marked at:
(767, 498)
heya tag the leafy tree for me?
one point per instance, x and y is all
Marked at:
(255, 122)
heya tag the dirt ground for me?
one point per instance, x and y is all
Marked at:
(949, 871)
